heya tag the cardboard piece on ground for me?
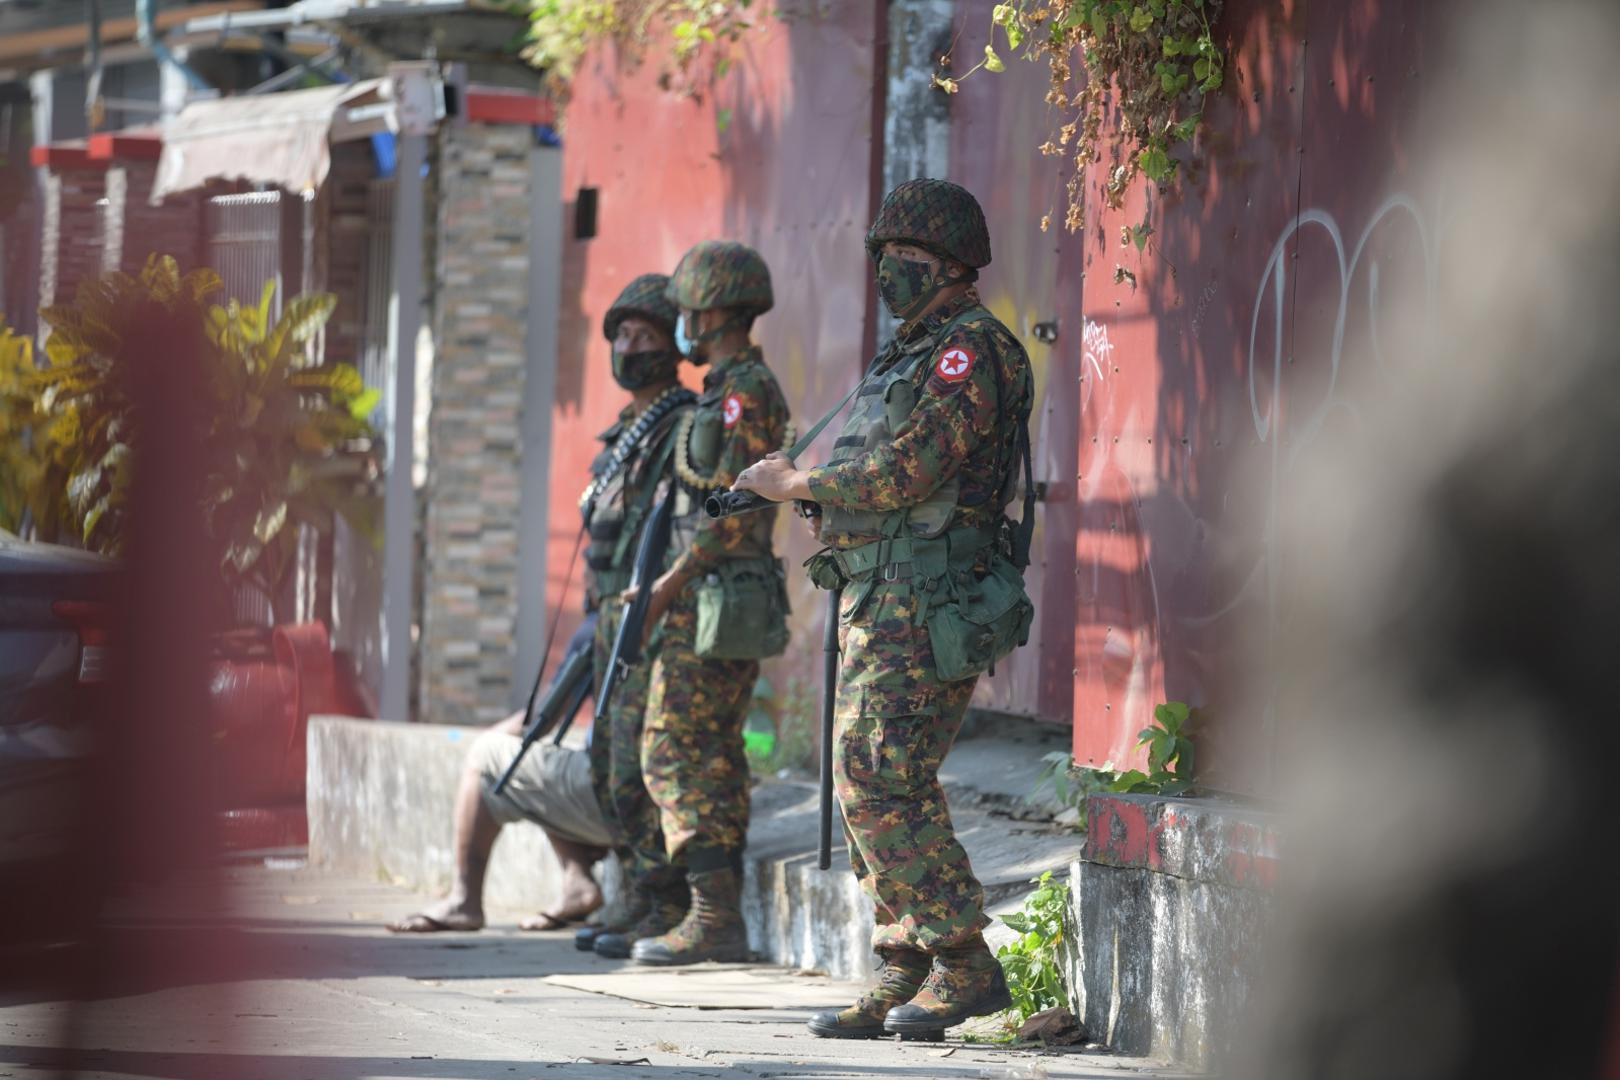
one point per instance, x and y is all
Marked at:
(717, 986)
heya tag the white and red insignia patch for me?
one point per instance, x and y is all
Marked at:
(732, 410)
(955, 364)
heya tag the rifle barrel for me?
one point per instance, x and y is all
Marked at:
(724, 504)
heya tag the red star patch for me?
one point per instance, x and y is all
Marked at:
(732, 410)
(954, 364)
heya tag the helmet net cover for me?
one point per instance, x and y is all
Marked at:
(936, 215)
(644, 298)
(722, 274)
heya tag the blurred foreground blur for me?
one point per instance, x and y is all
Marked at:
(1446, 907)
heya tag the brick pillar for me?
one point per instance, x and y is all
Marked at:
(481, 291)
(70, 232)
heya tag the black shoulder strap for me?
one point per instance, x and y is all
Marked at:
(1024, 538)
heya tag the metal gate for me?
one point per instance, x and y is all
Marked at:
(256, 237)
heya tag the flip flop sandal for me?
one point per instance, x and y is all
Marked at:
(423, 923)
(546, 921)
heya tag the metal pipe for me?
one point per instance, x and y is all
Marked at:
(399, 498)
(146, 33)
(94, 107)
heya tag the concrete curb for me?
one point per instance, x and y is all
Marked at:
(380, 794)
(1169, 902)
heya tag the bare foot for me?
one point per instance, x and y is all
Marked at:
(580, 898)
(445, 915)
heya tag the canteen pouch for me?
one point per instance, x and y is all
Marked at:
(974, 623)
(704, 444)
(742, 610)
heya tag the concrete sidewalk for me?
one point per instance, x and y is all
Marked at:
(300, 982)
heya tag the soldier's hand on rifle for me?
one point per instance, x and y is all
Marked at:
(664, 591)
(776, 478)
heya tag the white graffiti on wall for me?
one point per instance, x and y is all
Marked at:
(1095, 347)
(1275, 279)
(1353, 266)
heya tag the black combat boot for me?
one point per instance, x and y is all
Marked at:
(712, 929)
(634, 911)
(900, 975)
(661, 909)
(966, 981)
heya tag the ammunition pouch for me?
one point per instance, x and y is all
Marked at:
(980, 619)
(742, 610)
(969, 593)
(824, 572)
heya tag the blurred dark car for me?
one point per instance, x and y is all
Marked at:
(54, 617)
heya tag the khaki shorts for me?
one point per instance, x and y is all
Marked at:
(552, 787)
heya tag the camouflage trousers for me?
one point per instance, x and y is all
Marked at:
(895, 722)
(692, 742)
(616, 762)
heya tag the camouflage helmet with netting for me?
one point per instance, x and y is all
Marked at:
(643, 298)
(722, 274)
(935, 215)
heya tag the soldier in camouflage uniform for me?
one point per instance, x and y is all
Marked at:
(588, 801)
(637, 456)
(692, 743)
(913, 500)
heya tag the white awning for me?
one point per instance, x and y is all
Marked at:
(279, 139)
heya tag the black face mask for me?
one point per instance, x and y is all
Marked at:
(638, 370)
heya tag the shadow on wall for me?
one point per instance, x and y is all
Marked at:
(1273, 262)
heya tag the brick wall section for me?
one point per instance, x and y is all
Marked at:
(348, 187)
(136, 229)
(70, 233)
(480, 281)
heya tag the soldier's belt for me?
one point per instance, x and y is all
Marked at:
(914, 556)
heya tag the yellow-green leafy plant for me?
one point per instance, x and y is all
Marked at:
(285, 440)
(679, 32)
(33, 474)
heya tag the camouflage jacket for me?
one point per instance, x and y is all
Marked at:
(974, 395)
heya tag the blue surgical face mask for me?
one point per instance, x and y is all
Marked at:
(683, 341)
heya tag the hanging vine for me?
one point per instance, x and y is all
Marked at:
(679, 32)
(1157, 60)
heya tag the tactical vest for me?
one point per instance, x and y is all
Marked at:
(882, 406)
(623, 502)
(699, 439)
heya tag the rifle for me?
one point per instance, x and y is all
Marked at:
(723, 504)
(829, 693)
(563, 699)
(650, 551)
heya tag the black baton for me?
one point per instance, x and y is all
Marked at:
(829, 694)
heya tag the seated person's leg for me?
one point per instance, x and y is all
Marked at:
(475, 831)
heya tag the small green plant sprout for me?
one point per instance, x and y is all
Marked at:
(1070, 786)
(1170, 755)
(1032, 961)
(1170, 766)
